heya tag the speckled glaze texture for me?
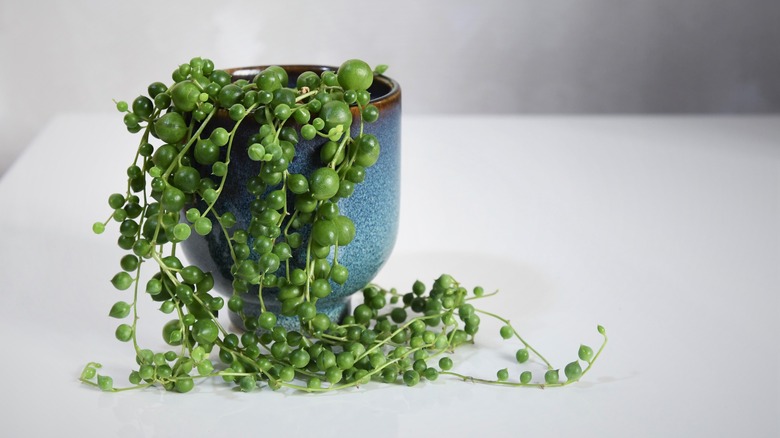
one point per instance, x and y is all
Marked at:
(373, 207)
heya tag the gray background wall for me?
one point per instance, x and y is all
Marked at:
(455, 56)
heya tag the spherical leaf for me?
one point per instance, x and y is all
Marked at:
(324, 183)
(173, 199)
(105, 383)
(198, 354)
(184, 384)
(521, 355)
(124, 332)
(336, 113)
(170, 128)
(119, 310)
(325, 232)
(186, 179)
(206, 152)
(355, 74)
(185, 96)
(551, 377)
(368, 151)
(172, 332)
(205, 331)
(181, 231)
(143, 107)
(573, 371)
(280, 73)
(585, 353)
(122, 280)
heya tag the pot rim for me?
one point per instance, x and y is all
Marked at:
(388, 98)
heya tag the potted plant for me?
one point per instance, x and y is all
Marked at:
(280, 184)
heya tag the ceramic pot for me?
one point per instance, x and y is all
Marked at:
(373, 207)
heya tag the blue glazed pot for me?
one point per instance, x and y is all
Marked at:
(373, 207)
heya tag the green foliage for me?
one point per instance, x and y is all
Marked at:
(392, 337)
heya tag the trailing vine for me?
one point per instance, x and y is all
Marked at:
(290, 246)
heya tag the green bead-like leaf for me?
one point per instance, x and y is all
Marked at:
(122, 281)
(175, 338)
(124, 332)
(380, 69)
(205, 368)
(198, 354)
(89, 372)
(522, 355)
(585, 353)
(119, 310)
(551, 377)
(573, 371)
(181, 231)
(105, 383)
(205, 331)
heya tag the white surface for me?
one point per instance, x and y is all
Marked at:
(664, 230)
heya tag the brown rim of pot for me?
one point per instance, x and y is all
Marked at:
(384, 91)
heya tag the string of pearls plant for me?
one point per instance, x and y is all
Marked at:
(392, 337)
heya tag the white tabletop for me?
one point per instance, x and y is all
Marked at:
(662, 229)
